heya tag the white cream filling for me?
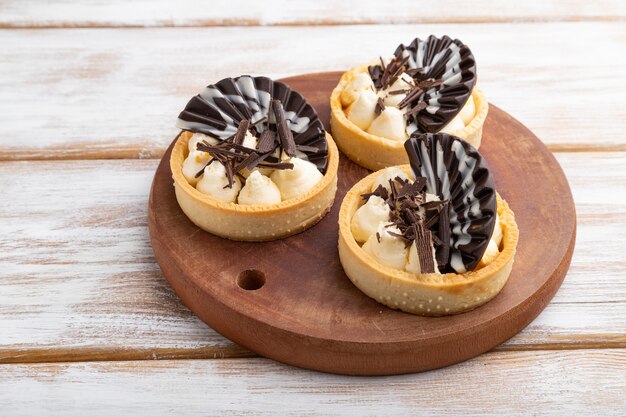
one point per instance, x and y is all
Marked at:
(493, 248)
(214, 182)
(455, 124)
(390, 251)
(353, 90)
(404, 81)
(296, 181)
(387, 174)
(490, 254)
(259, 189)
(199, 137)
(249, 141)
(362, 111)
(389, 124)
(497, 232)
(367, 217)
(468, 111)
(195, 161)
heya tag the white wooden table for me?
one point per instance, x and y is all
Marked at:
(88, 96)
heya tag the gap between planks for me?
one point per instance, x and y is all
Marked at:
(93, 86)
(122, 288)
(245, 23)
(131, 152)
(31, 14)
(233, 351)
(496, 384)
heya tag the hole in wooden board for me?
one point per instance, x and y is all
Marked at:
(251, 279)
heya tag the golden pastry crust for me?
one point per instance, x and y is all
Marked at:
(254, 222)
(375, 152)
(427, 294)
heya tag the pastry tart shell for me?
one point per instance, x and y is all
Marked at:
(254, 222)
(426, 294)
(375, 152)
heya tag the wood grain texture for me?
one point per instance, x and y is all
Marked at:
(82, 284)
(79, 280)
(312, 316)
(161, 13)
(116, 93)
(98, 293)
(551, 383)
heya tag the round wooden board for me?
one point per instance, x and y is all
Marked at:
(309, 314)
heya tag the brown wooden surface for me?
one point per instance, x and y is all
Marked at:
(309, 314)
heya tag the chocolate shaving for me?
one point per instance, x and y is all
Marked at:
(261, 120)
(413, 188)
(436, 240)
(376, 74)
(415, 93)
(393, 70)
(235, 157)
(202, 170)
(230, 174)
(248, 162)
(385, 75)
(443, 251)
(425, 223)
(423, 238)
(380, 191)
(242, 129)
(382, 63)
(267, 142)
(417, 108)
(276, 165)
(284, 133)
(306, 148)
(399, 235)
(429, 83)
(413, 72)
(380, 106)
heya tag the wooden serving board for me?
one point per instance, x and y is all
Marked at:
(291, 301)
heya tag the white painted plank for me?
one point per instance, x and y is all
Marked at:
(597, 182)
(79, 279)
(77, 267)
(110, 93)
(142, 13)
(548, 383)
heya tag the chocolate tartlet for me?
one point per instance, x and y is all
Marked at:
(253, 162)
(444, 240)
(428, 86)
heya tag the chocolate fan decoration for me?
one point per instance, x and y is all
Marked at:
(444, 72)
(456, 171)
(218, 110)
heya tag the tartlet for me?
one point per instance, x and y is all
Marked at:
(249, 99)
(428, 294)
(374, 151)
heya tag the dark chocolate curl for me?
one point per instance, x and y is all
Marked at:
(456, 172)
(284, 133)
(444, 72)
(220, 109)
